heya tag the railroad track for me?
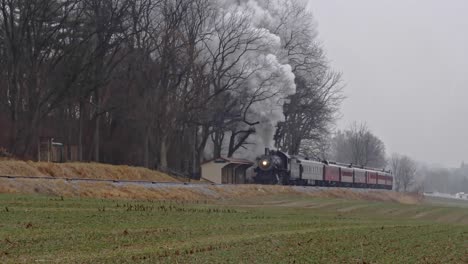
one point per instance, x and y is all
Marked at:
(12, 177)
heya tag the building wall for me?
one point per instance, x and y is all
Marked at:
(212, 171)
(241, 175)
(224, 173)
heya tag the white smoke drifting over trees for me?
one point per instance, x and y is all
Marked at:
(289, 56)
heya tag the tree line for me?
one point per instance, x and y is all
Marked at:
(357, 145)
(163, 83)
(445, 180)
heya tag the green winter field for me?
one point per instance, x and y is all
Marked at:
(279, 229)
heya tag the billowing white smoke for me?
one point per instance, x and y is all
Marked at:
(270, 77)
(277, 81)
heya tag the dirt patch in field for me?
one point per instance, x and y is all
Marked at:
(81, 170)
(188, 192)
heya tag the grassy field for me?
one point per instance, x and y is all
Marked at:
(270, 229)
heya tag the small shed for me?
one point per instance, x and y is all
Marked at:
(49, 150)
(225, 170)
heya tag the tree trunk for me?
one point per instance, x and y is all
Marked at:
(13, 133)
(146, 148)
(241, 137)
(232, 139)
(80, 132)
(32, 133)
(14, 110)
(217, 143)
(195, 158)
(199, 149)
(163, 154)
(96, 139)
(97, 126)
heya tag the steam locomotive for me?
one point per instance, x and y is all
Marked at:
(276, 167)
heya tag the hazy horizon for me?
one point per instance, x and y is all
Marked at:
(405, 67)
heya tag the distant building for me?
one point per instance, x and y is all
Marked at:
(226, 170)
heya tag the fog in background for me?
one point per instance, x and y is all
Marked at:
(405, 65)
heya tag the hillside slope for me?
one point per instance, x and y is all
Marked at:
(192, 192)
(81, 170)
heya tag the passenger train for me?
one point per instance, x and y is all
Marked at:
(276, 167)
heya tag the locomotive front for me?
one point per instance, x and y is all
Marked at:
(272, 168)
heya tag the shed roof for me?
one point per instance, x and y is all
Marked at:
(230, 160)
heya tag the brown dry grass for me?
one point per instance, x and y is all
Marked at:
(187, 193)
(99, 190)
(81, 170)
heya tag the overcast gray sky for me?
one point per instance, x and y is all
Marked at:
(405, 66)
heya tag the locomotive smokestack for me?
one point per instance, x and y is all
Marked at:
(267, 151)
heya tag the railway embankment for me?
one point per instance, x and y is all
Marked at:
(125, 182)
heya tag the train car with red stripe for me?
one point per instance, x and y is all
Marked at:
(347, 177)
(381, 179)
(302, 171)
(389, 182)
(331, 175)
(360, 178)
(372, 178)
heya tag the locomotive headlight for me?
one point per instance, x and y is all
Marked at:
(265, 163)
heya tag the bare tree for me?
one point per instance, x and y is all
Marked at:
(318, 149)
(312, 110)
(404, 171)
(359, 146)
(229, 41)
(160, 75)
(37, 40)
